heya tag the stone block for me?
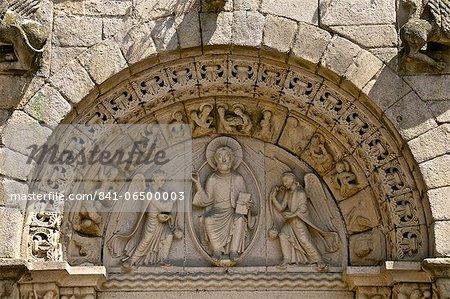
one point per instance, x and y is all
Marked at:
(430, 88)
(357, 12)
(311, 43)
(386, 88)
(77, 31)
(137, 44)
(155, 9)
(339, 55)
(164, 34)
(11, 90)
(440, 110)
(433, 143)
(188, 29)
(103, 61)
(22, 131)
(11, 221)
(62, 55)
(64, 7)
(439, 200)
(441, 238)
(304, 11)
(279, 33)
(108, 7)
(9, 187)
(216, 28)
(369, 36)
(387, 55)
(436, 172)
(73, 82)
(411, 116)
(364, 67)
(14, 164)
(246, 4)
(248, 28)
(48, 105)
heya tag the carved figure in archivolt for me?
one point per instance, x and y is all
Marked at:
(345, 179)
(319, 154)
(267, 127)
(202, 120)
(236, 120)
(306, 221)
(150, 241)
(227, 203)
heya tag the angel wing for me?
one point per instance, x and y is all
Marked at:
(24, 8)
(440, 9)
(319, 203)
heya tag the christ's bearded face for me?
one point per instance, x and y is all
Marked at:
(224, 159)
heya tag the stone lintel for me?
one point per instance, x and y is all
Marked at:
(390, 273)
(65, 275)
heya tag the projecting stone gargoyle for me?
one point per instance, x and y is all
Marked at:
(21, 38)
(429, 21)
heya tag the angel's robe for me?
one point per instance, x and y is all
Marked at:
(219, 196)
(298, 230)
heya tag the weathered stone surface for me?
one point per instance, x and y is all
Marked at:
(108, 7)
(9, 187)
(103, 61)
(339, 55)
(48, 105)
(11, 221)
(164, 34)
(364, 67)
(441, 232)
(117, 27)
(304, 11)
(63, 7)
(310, 43)
(154, 9)
(137, 44)
(369, 36)
(73, 82)
(23, 131)
(436, 172)
(433, 143)
(13, 164)
(246, 4)
(11, 90)
(216, 28)
(77, 31)
(439, 200)
(279, 33)
(404, 116)
(430, 88)
(188, 29)
(358, 12)
(63, 55)
(247, 28)
(440, 110)
(386, 88)
(387, 55)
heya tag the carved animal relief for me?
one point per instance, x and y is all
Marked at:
(21, 38)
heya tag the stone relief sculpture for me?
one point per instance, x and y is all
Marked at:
(266, 126)
(345, 179)
(202, 119)
(304, 214)
(228, 205)
(429, 21)
(150, 241)
(319, 154)
(235, 120)
(21, 38)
